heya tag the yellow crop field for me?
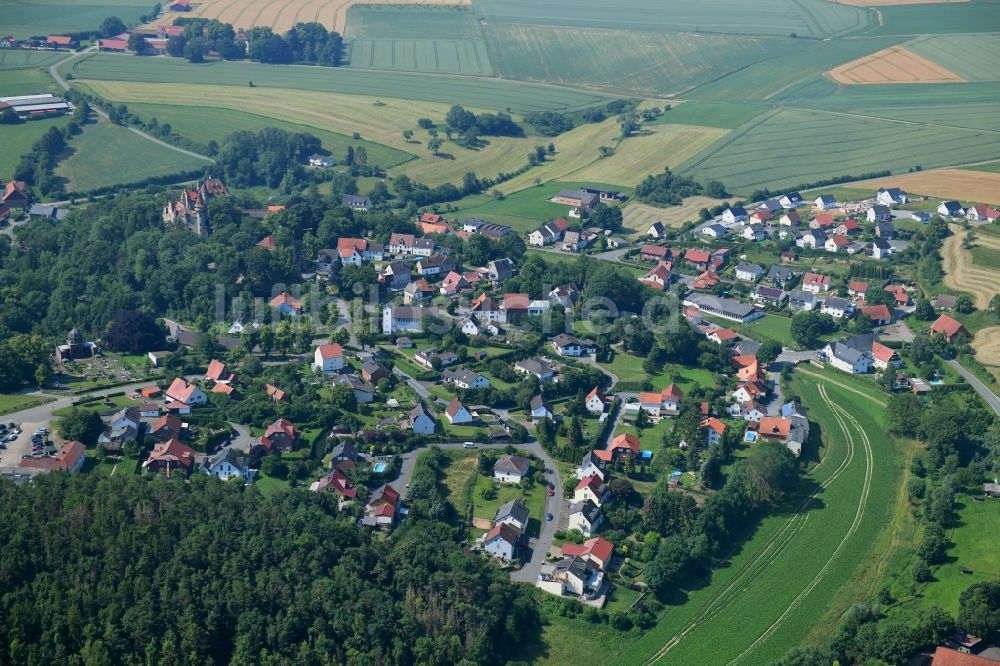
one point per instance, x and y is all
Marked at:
(282, 16)
(987, 345)
(961, 274)
(960, 184)
(892, 65)
(638, 216)
(639, 156)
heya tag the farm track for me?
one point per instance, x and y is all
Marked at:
(772, 549)
(843, 418)
(880, 403)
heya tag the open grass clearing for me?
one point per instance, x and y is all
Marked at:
(105, 154)
(25, 81)
(653, 63)
(491, 94)
(18, 139)
(895, 64)
(959, 184)
(15, 402)
(848, 144)
(812, 18)
(782, 580)
(25, 58)
(204, 124)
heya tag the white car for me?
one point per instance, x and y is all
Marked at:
(469, 445)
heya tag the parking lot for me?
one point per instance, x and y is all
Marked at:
(20, 447)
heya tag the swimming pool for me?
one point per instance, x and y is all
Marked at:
(751, 437)
(379, 467)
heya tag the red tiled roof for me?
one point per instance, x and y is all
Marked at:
(217, 371)
(169, 421)
(858, 286)
(599, 547)
(267, 242)
(947, 657)
(66, 460)
(877, 312)
(723, 333)
(947, 327)
(276, 393)
(515, 302)
(505, 531)
(453, 407)
(881, 352)
(330, 350)
(593, 482)
(62, 40)
(654, 251)
(284, 298)
(715, 424)
(171, 451)
(180, 390)
(625, 441)
(697, 256)
(815, 279)
(771, 426)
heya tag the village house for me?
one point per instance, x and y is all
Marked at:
(596, 402)
(70, 459)
(899, 293)
(501, 542)
(535, 367)
(883, 356)
(426, 357)
(667, 402)
(592, 489)
(513, 513)
(714, 231)
(362, 390)
(585, 517)
(852, 355)
(329, 358)
(568, 345)
(812, 239)
(225, 464)
(880, 315)
(768, 296)
(878, 214)
(16, 195)
(170, 456)
(338, 483)
(825, 202)
(658, 278)
(344, 456)
(166, 427)
(713, 430)
(511, 469)
(395, 275)
(499, 270)
(697, 259)
(549, 233)
(434, 265)
(590, 465)
(790, 218)
(597, 550)
(457, 413)
(654, 253)
(540, 408)
(571, 576)
(948, 328)
(780, 276)
(890, 196)
(464, 378)
(657, 230)
(286, 304)
(185, 393)
(417, 292)
(565, 295)
(755, 232)
(622, 446)
(748, 272)
(356, 202)
(981, 213)
(383, 508)
(838, 308)
(720, 335)
(421, 421)
(453, 284)
(734, 215)
(816, 283)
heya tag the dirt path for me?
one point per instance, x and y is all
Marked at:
(962, 275)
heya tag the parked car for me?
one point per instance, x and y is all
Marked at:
(548, 516)
(550, 492)
(469, 445)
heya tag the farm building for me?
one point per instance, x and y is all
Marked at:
(36, 106)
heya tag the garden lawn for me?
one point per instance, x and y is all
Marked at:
(487, 509)
(15, 402)
(461, 466)
(782, 580)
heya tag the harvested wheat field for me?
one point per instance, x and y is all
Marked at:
(883, 3)
(962, 275)
(987, 345)
(638, 216)
(959, 184)
(282, 16)
(892, 65)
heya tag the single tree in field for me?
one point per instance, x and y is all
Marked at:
(407, 135)
(434, 145)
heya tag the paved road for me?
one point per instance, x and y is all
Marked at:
(414, 384)
(241, 442)
(54, 73)
(982, 389)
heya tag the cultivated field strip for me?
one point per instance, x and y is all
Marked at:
(770, 550)
(804, 146)
(960, 184)
(893, 65)
(961, 274)
(843, 418)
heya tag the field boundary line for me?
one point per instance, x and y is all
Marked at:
(712, 608)
(842, 416)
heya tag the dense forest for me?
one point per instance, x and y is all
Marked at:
(124, 570)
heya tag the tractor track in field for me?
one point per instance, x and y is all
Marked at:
(774, 546)
(842, 417)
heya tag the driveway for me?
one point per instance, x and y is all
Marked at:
(898, 332)
(241, 441)
(413, 384)
(982, 389)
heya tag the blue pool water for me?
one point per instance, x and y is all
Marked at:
(379, 467)
(750, 437)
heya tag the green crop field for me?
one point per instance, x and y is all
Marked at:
(806, 146)
(991, 167)
(30, 19)
(470, 91)
(412, 22)
(728, 115)
(466, 56)
(213, 124)
(25, 81)
(17, 140)
(764, 80)
(812, 18)
(106, 154)
(973, 57)
(783, 580)
(940, 18)
(654, 62)
(21, 59)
